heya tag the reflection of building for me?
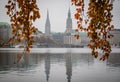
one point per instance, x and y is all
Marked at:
(29, 60)
(7, 59)
(68, 60)
(82, 59)
(5, 33)
(115, 41)
(114, 60)
(47, 25)
(47, 66)
(69, 38)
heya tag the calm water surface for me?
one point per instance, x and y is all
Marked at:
(58, 67)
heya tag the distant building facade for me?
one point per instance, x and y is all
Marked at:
(5, 33)
(115, 40)
(58, 37)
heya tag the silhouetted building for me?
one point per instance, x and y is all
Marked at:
(58, 37)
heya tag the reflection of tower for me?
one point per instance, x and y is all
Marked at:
(68, 66)
(47, 25)
(47, 66)
(67, 37)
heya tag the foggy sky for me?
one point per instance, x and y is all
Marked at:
(58, 10)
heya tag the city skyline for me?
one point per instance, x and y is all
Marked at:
(58, 11)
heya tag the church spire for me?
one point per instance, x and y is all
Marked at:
(47, 14)
(47, 25)
(69, 21)
(69, 13)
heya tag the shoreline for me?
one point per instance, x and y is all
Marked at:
(56, 50)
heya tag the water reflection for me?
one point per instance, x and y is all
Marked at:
(114, 60)
(27, 62)
(68, 65)
(74, 67)
(47, 66)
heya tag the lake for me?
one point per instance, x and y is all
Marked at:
(60, 66)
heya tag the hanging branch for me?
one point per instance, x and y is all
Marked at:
(22, 14)
(99, 18)
(79, 16)
(21, 18)
(99, 12)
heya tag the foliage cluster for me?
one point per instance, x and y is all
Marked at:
(22, 13)
(99, 18)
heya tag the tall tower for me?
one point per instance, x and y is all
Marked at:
(47, 25)
(67, 37)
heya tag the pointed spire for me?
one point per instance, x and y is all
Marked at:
(47, 14)
(69, 13)
(47, 25)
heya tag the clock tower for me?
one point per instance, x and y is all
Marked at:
(67, 37)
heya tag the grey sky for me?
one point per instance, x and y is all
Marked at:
(58, 10)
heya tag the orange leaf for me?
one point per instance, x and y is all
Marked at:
(77, 16)
(76, 30)
(21, 46)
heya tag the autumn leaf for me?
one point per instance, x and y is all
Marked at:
(21, 20)
(76, 30)
(21, 46)
(77, 16)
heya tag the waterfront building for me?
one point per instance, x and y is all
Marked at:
(115, 40)
(58, 37)
(5, 33)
